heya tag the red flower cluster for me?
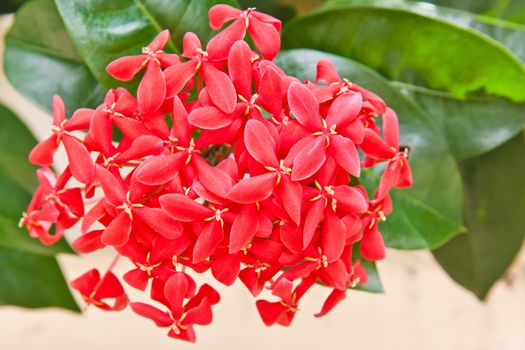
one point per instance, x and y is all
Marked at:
(225, 164)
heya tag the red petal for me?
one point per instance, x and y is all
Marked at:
(175, 291)
(161, 318)
(177, 76)
(160, 222)
(220, 88)
(201, 314)
(182, 208)
(213, 179)
(333, 236)
(292, 197)
(210, 118)
(350, 199)
(244, 228)
(80, 162)
(270, 312)
(219, 46)
(191, 45)
(207, 241)
(160, 41)
(344, 109)
(101, 130)
(372, 245)
(253, 189)
(326, 72)
(374, 147)
(240, 68)
(118, 231)
(391, 128)
(125, 68)
(314, 216)
(160, 169)
(304, 106)
(345, 154)
(143, 146)
(333, 299)
(137, 279)
(226, 268)
(59, 110)
(88, 242)
(265, 37)
(44, 152)
(114, 190)
(219, 14)
(260, 143)
(270, 90)
(152, 89)
(309, 159)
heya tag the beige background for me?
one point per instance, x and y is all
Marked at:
(422, 309)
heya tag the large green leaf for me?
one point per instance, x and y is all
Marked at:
(105, 30)
(455, 59)
(40, 59)
(32, 281)
(494, 207)
(512, 10)
(29, 273)
(374, 284)
(386, 41)
(509, 34)
(7, 6)
(429, 213)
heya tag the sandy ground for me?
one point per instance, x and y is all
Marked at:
(422, 309)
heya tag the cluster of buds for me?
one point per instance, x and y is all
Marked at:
(224, 164)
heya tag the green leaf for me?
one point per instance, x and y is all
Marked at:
(374, 284)
(105, 30)
(511, 35)
(29, 273)
(40, 60)
(455, 59)
(7, 6)
(33, 281)
(429, 213)
(494, 204)
(474, 126)
(278, 9)
(404, 58)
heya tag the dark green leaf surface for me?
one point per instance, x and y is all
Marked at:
(455, 59)
(105, 30)
(511, 35)
(32, 281)
(29, 273)
(474, 125)
(373, 285)
(429, 213)
(7, 6)
(40, 59)
(494, 207)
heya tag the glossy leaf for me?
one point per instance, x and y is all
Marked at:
(29, 273)
(511, 35)
(494, 203)
(7, 6)
(40, 59)
(455, 115)
(374, 284)
(32, 281)
(385, 39)
(105, 30)
(429, 213)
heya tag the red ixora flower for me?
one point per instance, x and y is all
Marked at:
(226, 165)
